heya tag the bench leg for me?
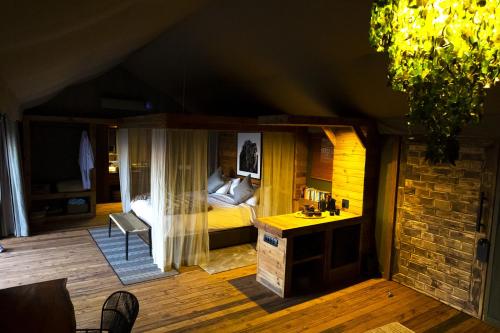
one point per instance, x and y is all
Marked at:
(109, 229)
(150, 244)
(126, 245)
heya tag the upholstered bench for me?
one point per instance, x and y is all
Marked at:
(129, 224)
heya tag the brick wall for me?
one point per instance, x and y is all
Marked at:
(435, 226)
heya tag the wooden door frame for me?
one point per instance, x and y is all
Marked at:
(391, 191)
(493, 231)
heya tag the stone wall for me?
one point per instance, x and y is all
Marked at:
(435, 226)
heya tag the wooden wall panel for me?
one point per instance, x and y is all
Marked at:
(227, 152)
(322, 157)
(349, 159)
(300, 171)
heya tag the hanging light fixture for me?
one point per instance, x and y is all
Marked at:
(444, 54)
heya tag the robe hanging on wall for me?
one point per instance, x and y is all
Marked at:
(86, 160)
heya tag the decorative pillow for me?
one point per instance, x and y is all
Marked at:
(224, 188)
(244, 190)
(215, 181)
(234, 182)
(254, 199)
(143, 196)
(226, 198)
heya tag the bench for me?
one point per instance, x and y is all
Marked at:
(129, 224)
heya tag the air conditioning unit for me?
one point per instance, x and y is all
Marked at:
(126, 104)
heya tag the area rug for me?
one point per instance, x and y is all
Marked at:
(394, 327)
(230, 258)
(139, 267)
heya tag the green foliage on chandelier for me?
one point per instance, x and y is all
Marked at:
(444, 54)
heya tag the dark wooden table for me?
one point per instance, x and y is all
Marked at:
(38, 307)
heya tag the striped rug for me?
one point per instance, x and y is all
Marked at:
(139, 267)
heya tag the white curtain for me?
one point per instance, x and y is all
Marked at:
(278, 157)
(179, 198)
(13, 220)
(124, 168)
(134, 156)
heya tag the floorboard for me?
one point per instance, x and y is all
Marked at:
(101, 218)
(226, 302)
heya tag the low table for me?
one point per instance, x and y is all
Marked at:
(38, 307)
(129, 224)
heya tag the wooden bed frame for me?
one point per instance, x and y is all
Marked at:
(232, 237)
(221, 238)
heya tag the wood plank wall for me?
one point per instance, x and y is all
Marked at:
(349, 157)
(227, 152)
(300, 172)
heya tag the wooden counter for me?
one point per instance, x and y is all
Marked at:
(297, 255)
(288, 224)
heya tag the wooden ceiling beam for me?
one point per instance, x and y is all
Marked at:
(330, 135)
(361, 136)
(291, 120)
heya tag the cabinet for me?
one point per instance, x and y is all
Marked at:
(299, 256)
(50, 155)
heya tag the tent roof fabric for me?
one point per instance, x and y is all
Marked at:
(211, 56)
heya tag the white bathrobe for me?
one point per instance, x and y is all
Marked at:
(86, 160)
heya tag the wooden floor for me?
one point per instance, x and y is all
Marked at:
(226, 302)
(101, 218)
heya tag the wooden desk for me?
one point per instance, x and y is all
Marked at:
(297, 255)
(39, 307)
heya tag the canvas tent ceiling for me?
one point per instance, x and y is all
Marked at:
(48, 45)
(294, 56)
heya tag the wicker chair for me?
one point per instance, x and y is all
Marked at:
(118, 313)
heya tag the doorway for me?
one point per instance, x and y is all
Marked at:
(107, 172)
(492, 291)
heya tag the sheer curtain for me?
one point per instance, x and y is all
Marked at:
(13, 218)
(179, 197)
(278, 157)
(123, 167)
(139, 155)
(134, 156)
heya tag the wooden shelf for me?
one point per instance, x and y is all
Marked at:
(298, 256)
(35, 202)
(308, 259)
(62, 195)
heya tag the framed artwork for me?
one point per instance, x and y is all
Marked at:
(322, 158)
(249, 156)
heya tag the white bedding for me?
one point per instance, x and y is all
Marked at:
(224, 215)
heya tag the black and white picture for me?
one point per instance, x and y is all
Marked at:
(249, 154)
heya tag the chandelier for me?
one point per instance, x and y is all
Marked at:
(444, 54)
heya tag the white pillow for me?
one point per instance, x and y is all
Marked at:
(234, 182)
(224, 188)
(227, 199)
(254, 200)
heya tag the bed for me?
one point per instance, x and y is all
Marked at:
(228, 224)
